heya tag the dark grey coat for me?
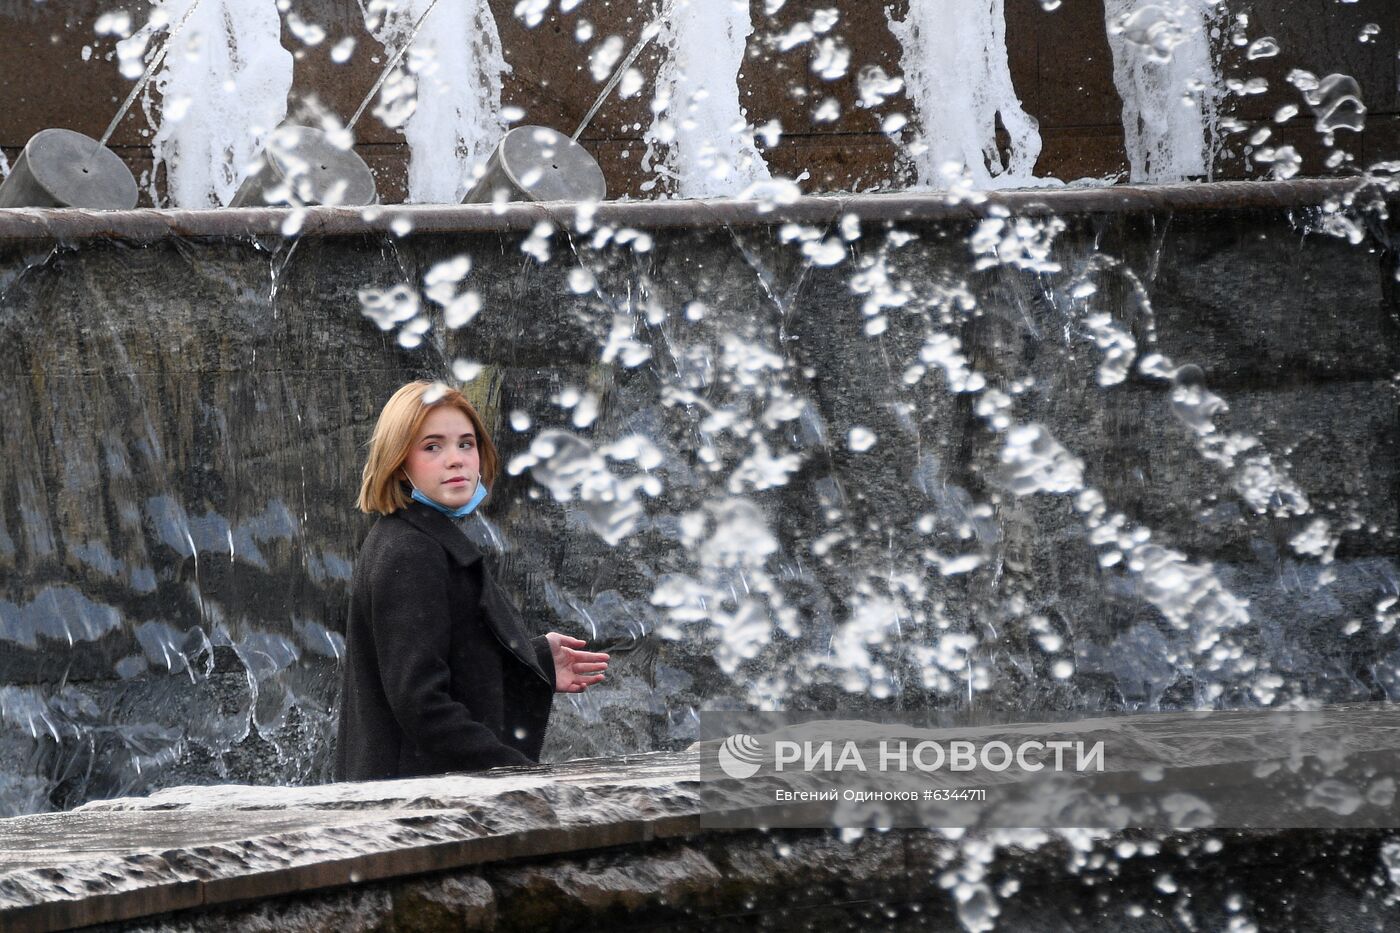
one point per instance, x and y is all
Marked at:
(440, 673)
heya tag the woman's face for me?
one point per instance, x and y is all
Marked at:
(443, 461)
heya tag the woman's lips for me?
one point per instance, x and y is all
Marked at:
(456, 482)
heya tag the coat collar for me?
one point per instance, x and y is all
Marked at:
(441, 528)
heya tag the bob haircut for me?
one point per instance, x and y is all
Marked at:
(398, 427)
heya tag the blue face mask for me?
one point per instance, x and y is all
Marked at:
(463, 512)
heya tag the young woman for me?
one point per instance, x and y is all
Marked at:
(440, 673)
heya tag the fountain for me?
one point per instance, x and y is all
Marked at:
(1165, 72)
(535, 163)
(222, 92)
(699, 140)
(944, 48)
(62, 168)
(993, 458)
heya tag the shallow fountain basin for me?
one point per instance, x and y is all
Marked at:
(584, 844)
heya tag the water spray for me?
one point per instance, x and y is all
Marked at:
(301, 165)
(649, 32)
(65, 168)
(536, 163)
(146, 76)
(393, 61)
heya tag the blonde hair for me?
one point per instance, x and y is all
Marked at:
(398, 425)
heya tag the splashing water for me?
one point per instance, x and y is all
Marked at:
(1167, 77)
(448, 100)
(962, 44)
(223, 89)
(1336, 102)
(572, 470)
(700, 140)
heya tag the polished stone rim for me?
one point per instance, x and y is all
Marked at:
(146, 224)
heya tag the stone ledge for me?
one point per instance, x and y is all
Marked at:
(71, 225)
(199, 848)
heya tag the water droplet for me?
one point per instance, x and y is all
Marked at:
(1286, 162)
(308, 33)
(860, 439)
(1336, 102)
(602, 59)
(1266, 47)
(1037, 462)
(387, 307)
(631, 84)
(1193, 404)
(342, 50)
(113, 24)
(1303, 80)
(465, 370)
(874, 85)
(1154, 29)
(1335, 795)
(580, 281)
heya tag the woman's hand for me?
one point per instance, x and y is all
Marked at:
(574, 670)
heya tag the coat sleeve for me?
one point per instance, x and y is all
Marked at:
(412, 627)
(544, 654)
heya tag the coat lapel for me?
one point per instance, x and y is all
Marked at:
(436, 525)
(501, 616)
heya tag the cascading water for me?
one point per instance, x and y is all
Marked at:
(1166, 74)
(923, 462)
(958, 77)
(700, 141)
(223, 88)
(447, 97)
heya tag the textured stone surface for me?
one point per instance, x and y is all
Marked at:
(461, 902)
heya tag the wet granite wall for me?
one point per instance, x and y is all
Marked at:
(1060, 64)
(185, 419)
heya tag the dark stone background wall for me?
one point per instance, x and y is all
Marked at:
(185, 421)
(1060, 63)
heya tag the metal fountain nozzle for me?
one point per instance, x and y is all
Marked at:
(64, 168)
(301, 166)
(536, 163)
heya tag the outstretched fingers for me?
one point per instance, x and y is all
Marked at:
(582, 681)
